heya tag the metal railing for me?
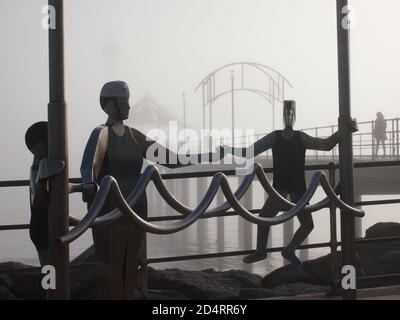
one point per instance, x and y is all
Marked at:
(364, 142)
(222, 210)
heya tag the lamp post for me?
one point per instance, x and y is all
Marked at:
(184, 110)
(58, 149)
(233, 108)
(346, 141)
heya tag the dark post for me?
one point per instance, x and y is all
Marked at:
(333, 242)
(346, 142)
(397, 132)
(58, 149)
(373, 140)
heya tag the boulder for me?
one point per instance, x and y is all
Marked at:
(286, 290)
(372, 259)
(205, 284)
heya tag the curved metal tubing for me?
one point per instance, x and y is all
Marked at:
(152, 173)
(110, 185)
(301, 204)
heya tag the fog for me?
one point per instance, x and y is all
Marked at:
(163, 48)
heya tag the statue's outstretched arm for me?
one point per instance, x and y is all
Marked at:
(264, 144)
(159, 154)
(326, 144)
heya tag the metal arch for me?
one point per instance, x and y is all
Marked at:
(256, 91)
(253, 64)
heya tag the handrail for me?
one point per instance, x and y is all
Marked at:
(110, 186)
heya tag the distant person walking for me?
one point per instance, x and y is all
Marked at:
(379, 133)
(36, 141)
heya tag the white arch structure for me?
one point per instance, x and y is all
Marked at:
(274, 92)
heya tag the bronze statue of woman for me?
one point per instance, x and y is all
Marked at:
(118, 150)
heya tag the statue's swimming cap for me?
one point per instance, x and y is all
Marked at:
(115, 89)
(36, 133)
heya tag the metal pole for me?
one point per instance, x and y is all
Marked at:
(233, 110)
(392, 144)
(210, 103)
(58, 149)
(204, 122)
(184, 110)
(346, 142)
(334, 243)
(333, 149)
(273, 115)
(373, 141)
(397, 130)
(316, 151)
(220, 232)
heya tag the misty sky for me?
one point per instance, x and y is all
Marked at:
(165, 47)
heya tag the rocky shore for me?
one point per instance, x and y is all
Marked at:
(17, 282)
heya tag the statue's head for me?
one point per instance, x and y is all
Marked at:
(36, 139)
(114, 100)
(289, 113)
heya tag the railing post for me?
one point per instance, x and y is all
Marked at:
(397, 142)
(58, 149)
(220, 229)
(392, 142)
(245, 228)
(143, 274)
(373, 140)
(346, 141)
(201, 224)
(333, 149)
(333, 231)
(316, 151)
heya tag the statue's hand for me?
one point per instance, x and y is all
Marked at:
(220, 151)
(354, 125)
(89, 191)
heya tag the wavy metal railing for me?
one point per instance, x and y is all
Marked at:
(109, 186)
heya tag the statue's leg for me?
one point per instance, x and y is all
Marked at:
(135, 241)
(102, 246)
(306, 226)
(270, 209)
(119, 240)
(109, 242)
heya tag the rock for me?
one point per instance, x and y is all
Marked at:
(164, 295)
(20, 281)
(286, 290)
(5, 284)
(6, 294)
(206, 284)
(315, 272)
(380, 230)
(372, 259)
(83, 281)
(24, 281)
(256, 293)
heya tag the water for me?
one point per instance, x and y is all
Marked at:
(16, 245)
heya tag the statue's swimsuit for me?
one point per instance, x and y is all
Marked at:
(288, 157)
(117, 246)
(123, 160)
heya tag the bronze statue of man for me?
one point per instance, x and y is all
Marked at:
(288, 148)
